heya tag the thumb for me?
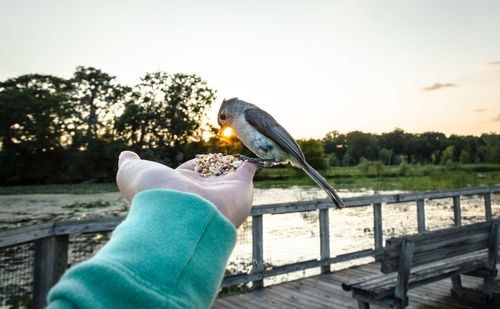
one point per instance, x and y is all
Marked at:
(125, 177)
(127, 156)
(247, 170)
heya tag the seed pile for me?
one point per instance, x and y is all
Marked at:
(216, 164)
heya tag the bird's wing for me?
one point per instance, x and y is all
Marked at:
(268, 126)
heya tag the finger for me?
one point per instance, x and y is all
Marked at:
(187, 165)
(127, 156)
(247, 170)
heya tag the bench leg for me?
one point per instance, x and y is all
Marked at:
(363, 305)
(456, 283)
(488, 285)
(472, 295)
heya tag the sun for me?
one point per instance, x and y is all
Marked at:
(228, 132)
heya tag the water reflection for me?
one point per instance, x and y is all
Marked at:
(288, 238)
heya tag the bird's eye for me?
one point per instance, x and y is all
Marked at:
(222, 117)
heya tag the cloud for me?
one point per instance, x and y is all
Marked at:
(490, 72)
(479, 110)
(497, 118)
(493, 66)
(437, 86)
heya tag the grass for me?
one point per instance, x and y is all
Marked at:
(56, 189)
(403, 177)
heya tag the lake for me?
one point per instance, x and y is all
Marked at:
(28, 209)
(288, 238)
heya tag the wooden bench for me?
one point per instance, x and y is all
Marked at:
(414, 260)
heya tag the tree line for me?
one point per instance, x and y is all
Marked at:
(393, 148)
(56, 130)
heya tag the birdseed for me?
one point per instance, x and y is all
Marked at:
(215, 164)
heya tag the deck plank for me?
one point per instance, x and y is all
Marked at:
(325, 291)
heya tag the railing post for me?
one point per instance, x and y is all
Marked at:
(457, 211)
(487, 206)
(257, 250)
(51, 258)
(324, 235)
(421, 215)
(377, 224)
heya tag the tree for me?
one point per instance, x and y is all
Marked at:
(165, 111)
(396, 141)
(97, 99)
(333, 160)
(313, 152)
(361, 145)
(35, 121)
(427, 145)
(492, 147)
(464, 157)
(385, 155)
(448, 156)
(335, 143)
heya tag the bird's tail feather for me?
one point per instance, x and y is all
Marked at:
(323, 184)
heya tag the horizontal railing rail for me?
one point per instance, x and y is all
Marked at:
(51, 239)
(16, 236)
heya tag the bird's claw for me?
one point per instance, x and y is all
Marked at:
(245, 158)
(259, 161)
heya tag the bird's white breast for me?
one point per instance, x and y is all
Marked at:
(258, 143)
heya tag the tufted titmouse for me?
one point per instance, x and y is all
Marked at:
(265, 137)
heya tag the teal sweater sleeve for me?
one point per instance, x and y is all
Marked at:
(170, 252)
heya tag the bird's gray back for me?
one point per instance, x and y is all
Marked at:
(268, 126)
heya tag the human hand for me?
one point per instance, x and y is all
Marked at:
(232, 194)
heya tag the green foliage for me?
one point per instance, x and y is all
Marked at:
(370, 168)
(396, 146)
(54, 130)
(465, 157)
(364, 166)
(418, 177)
(361, 145)
(385, 155)
(313, 152)
(34, 120)
(333, 160)
(404, 168)
(491, 150)
(447, 156)
(335, 142)
(164, 112)
(379, 168)
(83, 188)
(96, 97)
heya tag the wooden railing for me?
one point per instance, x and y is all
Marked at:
(51, 239)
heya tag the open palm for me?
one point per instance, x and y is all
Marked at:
(232, 193)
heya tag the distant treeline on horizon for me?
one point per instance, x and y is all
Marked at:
(56, 130)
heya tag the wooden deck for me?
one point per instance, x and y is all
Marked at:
(325, 291)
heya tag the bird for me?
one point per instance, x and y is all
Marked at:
(267, 139)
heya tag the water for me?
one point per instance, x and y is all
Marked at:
(29, 209)
(288, 238)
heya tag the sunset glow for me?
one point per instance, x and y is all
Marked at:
(315, 66)
(228, 132)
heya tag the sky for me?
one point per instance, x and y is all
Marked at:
(316, 66)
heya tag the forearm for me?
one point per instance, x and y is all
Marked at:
(170, 251)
